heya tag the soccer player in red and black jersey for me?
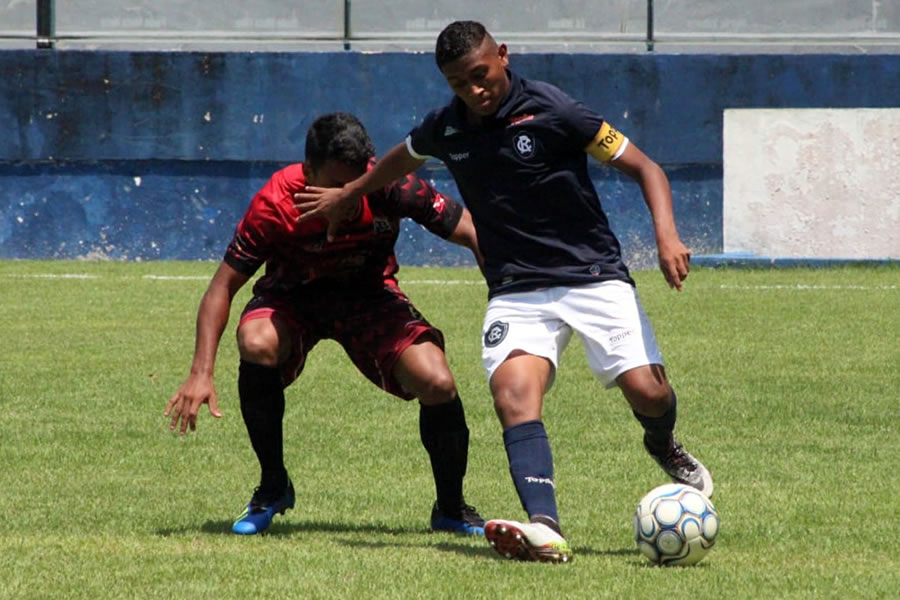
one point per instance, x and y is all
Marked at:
(342, 288)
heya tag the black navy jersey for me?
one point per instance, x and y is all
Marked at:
(523, 175)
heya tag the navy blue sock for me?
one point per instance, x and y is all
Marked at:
(531, 467)
(658, 430)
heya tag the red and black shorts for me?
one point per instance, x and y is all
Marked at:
(374, 329)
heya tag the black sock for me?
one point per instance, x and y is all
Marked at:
(262, 406)
(658, 430)
(531, 467)
(445, 436)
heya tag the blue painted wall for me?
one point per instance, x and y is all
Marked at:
(147, 155)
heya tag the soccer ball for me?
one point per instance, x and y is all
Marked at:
(675, 524)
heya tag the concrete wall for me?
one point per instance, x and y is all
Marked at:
(144, 155)
(812, 183)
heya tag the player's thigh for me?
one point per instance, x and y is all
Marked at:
(422, 370)
(381, 329)
(518, 386)
(614, 328)
(523, 323)
(271, 333)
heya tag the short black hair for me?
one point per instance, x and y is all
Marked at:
(458, 39)
(339, 137)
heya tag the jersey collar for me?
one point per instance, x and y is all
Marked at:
(509, 101)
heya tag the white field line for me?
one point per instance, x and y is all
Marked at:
(787, 287)
(440, 282)
(178, 277)
(804, 287)
(52, 276)
(208, 277)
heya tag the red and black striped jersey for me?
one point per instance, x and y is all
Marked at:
(297, 256)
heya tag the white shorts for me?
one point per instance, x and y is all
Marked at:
(614, 329)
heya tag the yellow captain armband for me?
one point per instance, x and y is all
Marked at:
(608, 144)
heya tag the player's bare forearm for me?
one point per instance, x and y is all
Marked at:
(335, 204)
(658, 197)
(212, 316)
(465, 235)
(397, 163)
(674, 257)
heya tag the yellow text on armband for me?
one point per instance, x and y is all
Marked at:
(606, 143)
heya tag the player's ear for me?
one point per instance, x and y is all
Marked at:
(309, 172)
(503, 53)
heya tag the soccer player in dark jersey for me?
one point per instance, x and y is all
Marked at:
(518, 152)
(345, 290)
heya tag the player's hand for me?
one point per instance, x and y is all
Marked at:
(675, 262)
(332, 204)
(185, 404)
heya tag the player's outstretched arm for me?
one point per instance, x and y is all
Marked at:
(335, 204)
(465, 235)
(212, 317)
(674, 256)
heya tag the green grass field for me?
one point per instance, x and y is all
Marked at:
(788, 383)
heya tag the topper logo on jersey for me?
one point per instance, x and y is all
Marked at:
(382, 225)
(524, 145)
(495, 333)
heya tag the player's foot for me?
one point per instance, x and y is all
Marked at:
(539, 541)
(681, 466)
(465, 520)
(258, 514)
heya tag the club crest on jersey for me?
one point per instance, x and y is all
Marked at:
(524, 144)
(495, 333)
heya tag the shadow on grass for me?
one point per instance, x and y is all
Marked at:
(479, 549)
(468, 546)
(472, 548)
(289, 529)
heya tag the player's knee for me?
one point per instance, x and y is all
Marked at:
(516, 400)
(651, 398)
(440, 387)
(258, 348)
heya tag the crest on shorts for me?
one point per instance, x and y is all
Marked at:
(495, 333)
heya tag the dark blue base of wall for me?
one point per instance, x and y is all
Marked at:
(177, 210)
(752, 261)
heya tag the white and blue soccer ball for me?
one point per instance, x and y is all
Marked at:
(675, 524)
